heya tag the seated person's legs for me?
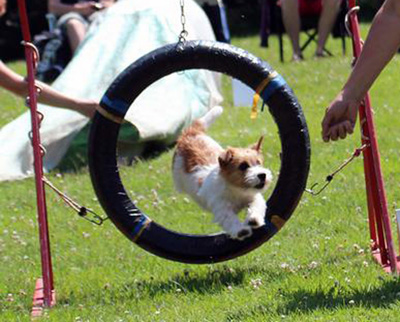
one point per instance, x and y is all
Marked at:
(330, 9)
(75, 27)
(76, 31)
(291, 21)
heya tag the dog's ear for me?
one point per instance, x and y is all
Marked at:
(258, 145)
(225, 157)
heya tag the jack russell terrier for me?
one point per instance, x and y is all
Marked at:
(222, 181)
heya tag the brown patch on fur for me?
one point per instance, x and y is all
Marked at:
(278, 221)
(194, 149)
(230, 162)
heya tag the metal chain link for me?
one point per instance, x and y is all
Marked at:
(184, 33)
(82, 211)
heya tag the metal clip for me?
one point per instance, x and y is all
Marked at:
(97, 220)
(316, 193)
(36, 55)
(347, 20)
(329, 178)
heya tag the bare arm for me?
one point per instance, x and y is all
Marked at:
(382, 43)
(17, 84)
(3, 7)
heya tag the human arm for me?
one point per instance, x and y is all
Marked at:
(84, 8)
(3, 7)
(18, 85)
(380, 46)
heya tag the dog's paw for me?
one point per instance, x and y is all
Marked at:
(255, 222)
(242, 233)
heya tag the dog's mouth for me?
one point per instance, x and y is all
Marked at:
(261, 185)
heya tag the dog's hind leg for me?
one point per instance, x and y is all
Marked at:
(209, 118)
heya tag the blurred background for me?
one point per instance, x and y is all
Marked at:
(244, 18)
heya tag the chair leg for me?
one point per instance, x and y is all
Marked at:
(265, 14)
(328, 52)
(280, 38)
(311, 37)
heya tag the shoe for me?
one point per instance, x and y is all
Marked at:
(297, 57)
(321, 55)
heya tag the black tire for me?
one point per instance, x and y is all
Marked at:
(224, 58)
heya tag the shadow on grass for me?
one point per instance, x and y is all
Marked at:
(379, 296)
(215, 281)
(188, 282)
(307, 301)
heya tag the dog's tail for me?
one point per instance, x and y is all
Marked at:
(209, 118)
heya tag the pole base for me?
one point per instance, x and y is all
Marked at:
(38, 304)
(386, 266)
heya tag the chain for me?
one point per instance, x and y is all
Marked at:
(329, 178)
(184, 33)
(82, 211)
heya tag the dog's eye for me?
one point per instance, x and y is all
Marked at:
(244, 166)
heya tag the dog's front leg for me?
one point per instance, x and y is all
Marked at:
(231, 224)
(256, 212)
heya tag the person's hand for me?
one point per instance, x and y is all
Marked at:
(88, 108)
(85, 107)
(85, 8)
(3, 7)
(340, 118)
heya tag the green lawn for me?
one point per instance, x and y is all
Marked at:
(317, 268)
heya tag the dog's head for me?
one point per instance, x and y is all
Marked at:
(243, 167)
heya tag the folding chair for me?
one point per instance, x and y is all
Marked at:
(271, 22)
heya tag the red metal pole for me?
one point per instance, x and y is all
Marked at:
(374, 213)
(47, 272)
(380, 228)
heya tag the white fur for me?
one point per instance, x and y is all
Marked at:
(213, 193)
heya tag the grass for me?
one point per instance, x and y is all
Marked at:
(317, 268)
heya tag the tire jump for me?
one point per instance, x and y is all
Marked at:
(219, 57)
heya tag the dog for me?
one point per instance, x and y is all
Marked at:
(222, 181)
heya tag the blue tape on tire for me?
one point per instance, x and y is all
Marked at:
(275, 84)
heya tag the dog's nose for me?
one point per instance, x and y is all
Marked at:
(261, 176)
